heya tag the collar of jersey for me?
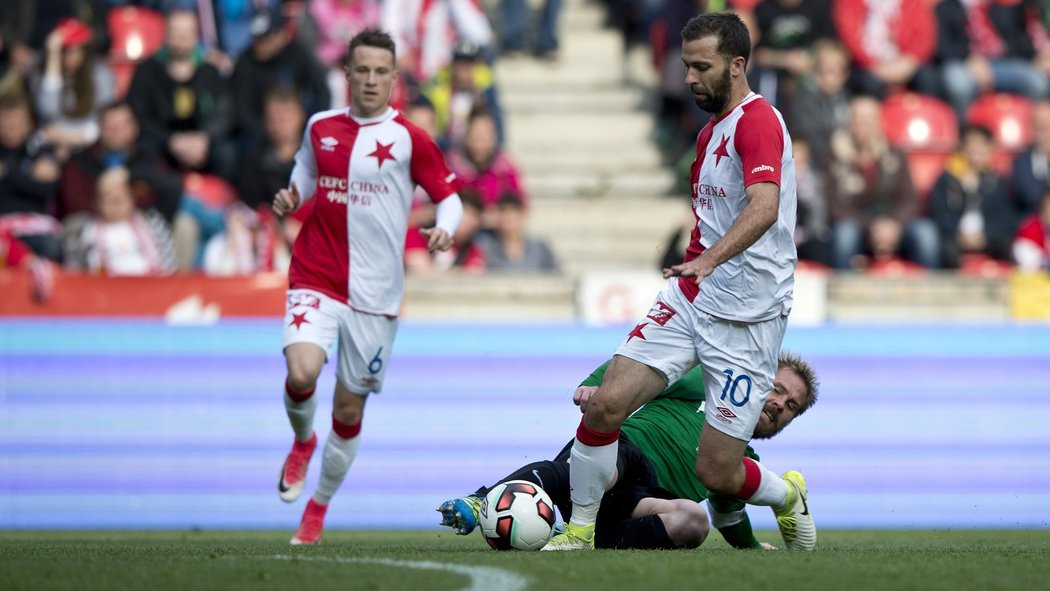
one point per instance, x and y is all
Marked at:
(737, 106)
(363, 121)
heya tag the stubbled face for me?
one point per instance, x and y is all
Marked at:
(831, 71)
(284, 120)
(181, 36)
(865, 120)
(978, 151)
(118, 129)
(15, 127)
(782, 404)
(371, 75)
(707, 74)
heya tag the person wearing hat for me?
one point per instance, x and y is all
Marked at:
(72, 88)
(458, 90)
(275, 59)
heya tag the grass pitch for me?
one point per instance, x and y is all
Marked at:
(425, 561)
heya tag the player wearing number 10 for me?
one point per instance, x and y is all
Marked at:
(725, 307)
(361, 167)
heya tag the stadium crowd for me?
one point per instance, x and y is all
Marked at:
(149, 137)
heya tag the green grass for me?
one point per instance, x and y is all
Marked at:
(374, 560)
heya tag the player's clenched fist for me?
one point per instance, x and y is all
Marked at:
(286, 201)
(437, 239)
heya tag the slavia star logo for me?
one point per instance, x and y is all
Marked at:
(637, 332)
(299, 320)
(382, 153)
(721, 150)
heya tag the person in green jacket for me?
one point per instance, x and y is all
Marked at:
(654, 502)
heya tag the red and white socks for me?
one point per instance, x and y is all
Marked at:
(592, 466)
(762, 486)
(339, 452)
(300, 407)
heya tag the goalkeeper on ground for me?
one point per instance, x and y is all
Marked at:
(654, 501)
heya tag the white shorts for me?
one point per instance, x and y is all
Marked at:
(738, 359)
(365, 340)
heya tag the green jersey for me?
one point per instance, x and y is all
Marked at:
(667, 430)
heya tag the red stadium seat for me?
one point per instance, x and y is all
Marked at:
(1008, 116)
(135, 33)
(918, 122)
(213, 191)
(926, 168)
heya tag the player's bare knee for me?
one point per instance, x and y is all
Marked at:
(347, 413)
(603, 413)
(686, 524)
(300, 380)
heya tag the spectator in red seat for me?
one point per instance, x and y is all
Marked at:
(1031, 172)
(970, 203)
(182, 103)
(465, 253)
(871, 199)
(121, 239)
(483, 167)
(889, 41)
(28, 181)
(72, 89)
(991, 45)
(1031, 246)
(337, 23)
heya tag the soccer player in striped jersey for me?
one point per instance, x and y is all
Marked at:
(361, 167)
(654, 502)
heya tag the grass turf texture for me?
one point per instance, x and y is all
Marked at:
(367, 560)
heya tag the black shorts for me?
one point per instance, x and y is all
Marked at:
(637, 480)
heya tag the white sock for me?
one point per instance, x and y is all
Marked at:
(772, 491)
(335, 462)
(591, 469)
(301, 416)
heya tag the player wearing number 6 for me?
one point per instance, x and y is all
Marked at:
(360, 166)
(725, 307)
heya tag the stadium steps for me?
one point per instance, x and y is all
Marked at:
(580, 136)
(942, 296)
(493, 296)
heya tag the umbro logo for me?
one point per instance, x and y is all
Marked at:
(725, 412)
(329, 143)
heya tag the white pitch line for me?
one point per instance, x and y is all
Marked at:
(482, 578)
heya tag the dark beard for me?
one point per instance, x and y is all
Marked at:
(719, 97)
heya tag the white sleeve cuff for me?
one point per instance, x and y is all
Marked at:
(449, 213)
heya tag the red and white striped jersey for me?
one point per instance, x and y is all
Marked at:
(351, 247)
(748, 145)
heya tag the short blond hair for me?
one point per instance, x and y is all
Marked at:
(806, 373)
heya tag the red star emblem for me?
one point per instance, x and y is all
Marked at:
(298, 320)
(382, 153)
(637, 332)
(721, 150)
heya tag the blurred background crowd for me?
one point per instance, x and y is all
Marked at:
(149, 137)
